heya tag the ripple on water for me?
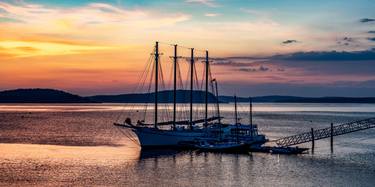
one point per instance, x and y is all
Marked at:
(78, 145)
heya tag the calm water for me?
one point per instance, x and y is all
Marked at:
(77, 145)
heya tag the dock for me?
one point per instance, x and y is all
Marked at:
(327, 132)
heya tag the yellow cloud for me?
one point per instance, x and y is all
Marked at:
(96, 22)
(27, 48)
(91, 14)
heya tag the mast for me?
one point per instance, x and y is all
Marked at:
(191, 86)
(174, 85)
(251, 115)
(156, 83)
(235, 109)
(217, 101)
(235, 115)
(218, 108)
(206, 100)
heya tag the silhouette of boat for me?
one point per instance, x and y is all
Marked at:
(173, 133)
(223, 147)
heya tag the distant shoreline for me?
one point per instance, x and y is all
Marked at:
(37, 95)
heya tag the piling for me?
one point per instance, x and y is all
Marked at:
(331, 137)
(312, 140)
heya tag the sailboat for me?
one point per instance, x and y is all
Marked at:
(191, 130)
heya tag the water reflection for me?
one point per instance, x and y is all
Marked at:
(160, 153)
(80, 147)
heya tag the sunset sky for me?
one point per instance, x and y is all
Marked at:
(261, 47)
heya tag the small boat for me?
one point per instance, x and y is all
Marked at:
(224, 147)
(259, 148)
(288, 150)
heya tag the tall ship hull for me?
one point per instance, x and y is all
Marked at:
(149, 137)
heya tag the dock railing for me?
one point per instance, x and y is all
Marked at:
(326, 132)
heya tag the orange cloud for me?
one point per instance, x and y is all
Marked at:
(89, 28)
(24, 49)
(27, 49)
(89, 16)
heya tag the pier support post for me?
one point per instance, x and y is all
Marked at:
(312, 141)
(331, 137)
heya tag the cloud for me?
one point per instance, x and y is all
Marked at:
(211, 14)
(93, 13)
(366, 83)
(296, 89)
(227, 62)
(328, 56)
(302, 77)
(27, 49)
(366, 20)
(300, 69)
(86, 71)
(111, 25)
(348, 39)
(300, 56)
(32, 48)
(289, 42)
(345, 41)
(259, 69)
(262, 68)
(210, 3)
(4, 53)
(243, 64)
(79, 29)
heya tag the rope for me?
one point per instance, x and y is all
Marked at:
(148, 91)
(145, 69)
(127, 134)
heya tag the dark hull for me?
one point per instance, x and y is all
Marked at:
(288, 150)
(233, 149)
